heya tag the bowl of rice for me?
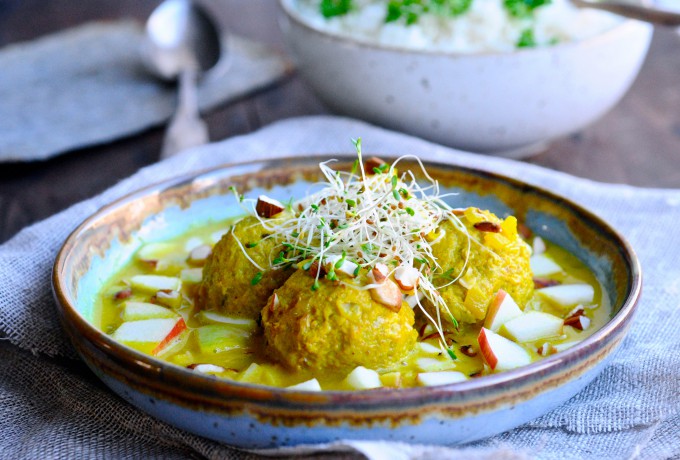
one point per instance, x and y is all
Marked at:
(503, 77)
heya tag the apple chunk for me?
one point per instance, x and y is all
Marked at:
(440, 378)
(309, 385)
(532, 326)
(135, 311)
(154, 283)
(363, 379)
(542, 265)
(503, 308)
(568, 295)
(149, 335)
(500, 353)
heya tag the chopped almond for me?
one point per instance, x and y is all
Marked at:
(373, 162)
(268, 207)
(123, 294)
(468, 350)
(379, 273)
(485, 226)
(407, 278)
(388, 294)
(540, 283)
(273, 302)
(580, 322)
(546, 349)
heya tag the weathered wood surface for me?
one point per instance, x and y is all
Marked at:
(637, 143)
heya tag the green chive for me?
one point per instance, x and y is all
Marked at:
(451, 354)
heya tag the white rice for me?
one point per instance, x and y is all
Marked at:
(486, 26)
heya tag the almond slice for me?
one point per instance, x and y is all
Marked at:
(407, 278)
(268, 207)
(580, 322)
(487, 226)
(388, 294)
(123, 294)
(379, 273)
(373, 162)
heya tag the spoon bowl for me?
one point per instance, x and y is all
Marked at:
(182, 43)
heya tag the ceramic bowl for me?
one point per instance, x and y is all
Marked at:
(253, 416)
(505, 103)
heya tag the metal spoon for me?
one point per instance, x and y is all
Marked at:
(642, 13)
(182, 42)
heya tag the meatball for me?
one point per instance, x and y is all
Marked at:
(229, 281)
(498, 259)
(334, 328)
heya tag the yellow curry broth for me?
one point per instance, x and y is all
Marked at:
(249, 362)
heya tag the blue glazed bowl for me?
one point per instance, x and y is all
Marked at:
(253, 416)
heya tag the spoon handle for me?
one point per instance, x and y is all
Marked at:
(186, 128)
(653, 16)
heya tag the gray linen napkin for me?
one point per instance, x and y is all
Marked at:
(50, 407)
(87, 85)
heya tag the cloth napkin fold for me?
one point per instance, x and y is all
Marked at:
(52, 406)
(88, 85)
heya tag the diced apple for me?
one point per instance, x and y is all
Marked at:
(503, 308)
(213, 317)
(216, 338)
(152, 252)
(173, 335)
(172, 299)
(363, 379)
(149, 334)
(538, 245)
(391, 379)
(135, 311)
(428, 348)
(309, 385)
(412, 300)
(532, 326)
(500, 353)
(199, 255)
(440, 378)
(192, 243)
(252, 374)
(191, 275)
(565, 345)
(432, 364)
(207, 368)
(154, 283)
(568, 295)
(542, 265)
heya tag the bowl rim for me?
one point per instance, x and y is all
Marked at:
(347, 40)
(327, 399)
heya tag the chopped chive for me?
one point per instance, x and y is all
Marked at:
(451, 354)
(256, 279)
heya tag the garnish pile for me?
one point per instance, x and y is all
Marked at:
(371, 220)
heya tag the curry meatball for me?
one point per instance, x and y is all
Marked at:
(230, 281)
(334, 328)
(498, 259)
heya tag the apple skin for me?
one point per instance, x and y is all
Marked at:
(500, 353)
(180, 326)
(503, 308)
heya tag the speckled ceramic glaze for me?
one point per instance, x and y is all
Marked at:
(253, 416)
(508, 104)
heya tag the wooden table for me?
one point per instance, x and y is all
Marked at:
(637, 143)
